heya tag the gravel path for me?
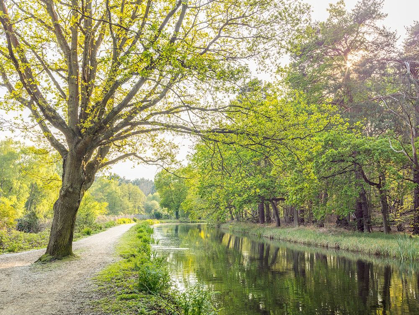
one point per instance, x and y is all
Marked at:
(61, 287)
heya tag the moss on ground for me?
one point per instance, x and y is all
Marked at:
(400, 246)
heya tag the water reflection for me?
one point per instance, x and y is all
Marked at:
(253, 277)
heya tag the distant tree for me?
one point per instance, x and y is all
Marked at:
(172, 191)
(146, 185)
(150, 206)
(135, 198)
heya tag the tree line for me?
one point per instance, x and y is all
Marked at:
(30, 179)
(335, 136)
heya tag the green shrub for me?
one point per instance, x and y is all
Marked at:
(153, 277)
(196, 301)
(87, 231)
(15, 241)
(109, 224)
(29, 223)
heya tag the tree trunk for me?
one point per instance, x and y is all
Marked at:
(362, 213)
(177, 214)
(310, 212)
(384, 208)
(261, 212)
(286, 214)
(276, 214)
(231, 214)
(295, 215)
(65, 209)
(268, 213)
(416, 202)
(302, 215)
(359, 216)
(365, 211)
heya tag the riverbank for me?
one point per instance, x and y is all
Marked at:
(400, 246)
(139, 283)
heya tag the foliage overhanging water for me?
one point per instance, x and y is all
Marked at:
(250, 276)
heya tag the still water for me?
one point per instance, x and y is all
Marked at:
(253, 276)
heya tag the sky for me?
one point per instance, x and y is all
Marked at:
(401, 13)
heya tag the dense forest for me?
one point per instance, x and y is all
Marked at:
(333, 139)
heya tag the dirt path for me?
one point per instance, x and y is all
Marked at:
(59, 288)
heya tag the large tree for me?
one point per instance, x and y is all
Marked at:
(332, 60)
(103, 78)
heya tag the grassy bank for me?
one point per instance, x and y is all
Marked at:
(139, 283)
(403, 247)
(12, 241)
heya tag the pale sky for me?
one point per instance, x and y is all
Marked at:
(401, 13)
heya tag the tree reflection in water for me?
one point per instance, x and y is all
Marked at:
(253, 277)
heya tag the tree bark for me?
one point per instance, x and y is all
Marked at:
(65, 209)
(383, 197)
(310, 212)
(287, 218)
(302, 215)
(416, 202)
(384, 209)
(231, 214)
(276, 213)
(359, 216)
(365, 211)
(362, 212)
(261, 212)
(295, 216)
(268, 213)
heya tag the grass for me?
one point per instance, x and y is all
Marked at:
(402, 247)
(139, 282)
(12, 241)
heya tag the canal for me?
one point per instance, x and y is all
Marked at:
(255, 276)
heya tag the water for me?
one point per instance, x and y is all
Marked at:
(250, 276)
